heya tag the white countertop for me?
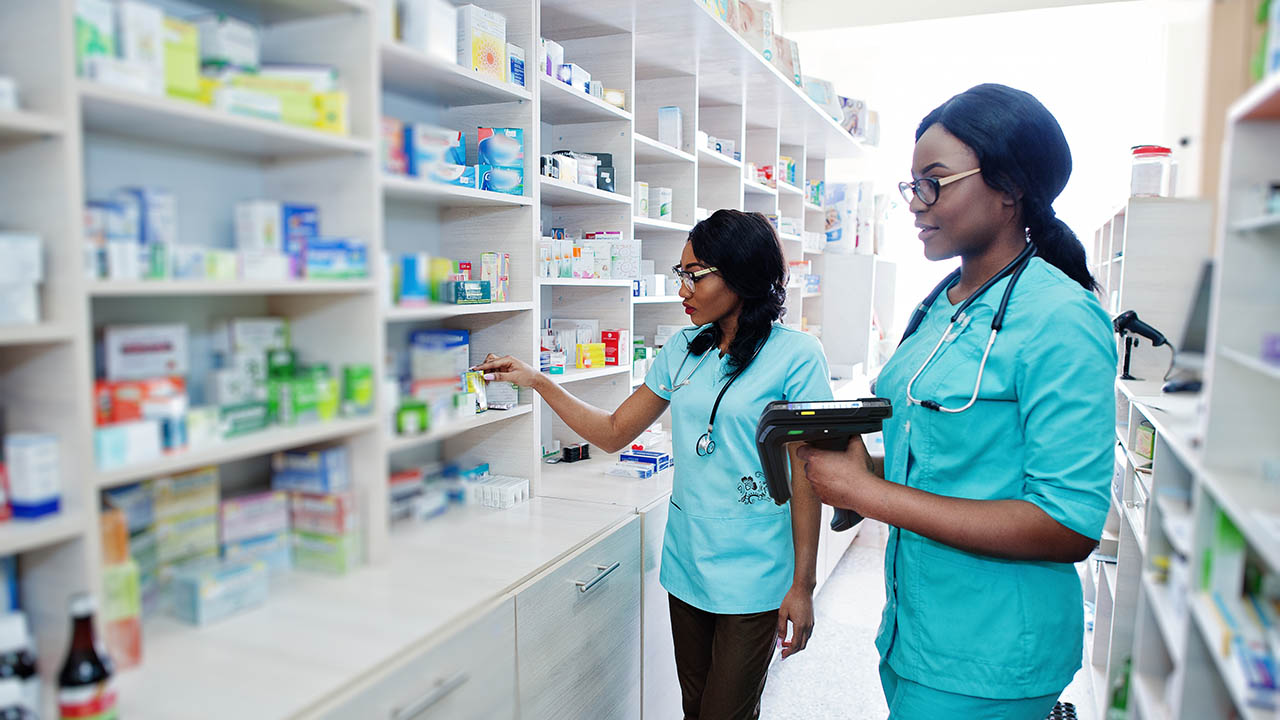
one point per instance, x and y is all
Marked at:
(317, 634)
(586, 480)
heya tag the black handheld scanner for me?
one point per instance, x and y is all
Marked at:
(827, 425)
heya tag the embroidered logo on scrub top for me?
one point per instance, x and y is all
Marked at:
(752, 489)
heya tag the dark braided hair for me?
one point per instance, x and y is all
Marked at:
(745, 248)
(1020, 148)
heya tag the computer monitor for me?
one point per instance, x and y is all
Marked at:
(1195, 334)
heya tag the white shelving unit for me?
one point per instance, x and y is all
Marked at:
(76, 140)
(1207, 502)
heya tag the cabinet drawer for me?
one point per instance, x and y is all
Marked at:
(578, 634)
(659, 682)
(471, 675)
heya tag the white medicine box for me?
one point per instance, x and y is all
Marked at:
(140, 33)
(258, 226)
(431, 27)
(482, 41)
(138, 352)
(226, 42)
(670, 127)
(21, 259)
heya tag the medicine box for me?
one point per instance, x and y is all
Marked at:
(251, 516)
(459, 175)
(590, 355)
(181, 59)
(242, 419)
(187, 536)
(207, 594)
(19, 304)
(574, 76)
(124, 641)
(427, 145)
(122, 596)
(275, 551)
(509, 180)
(249, 336)
(482, 41)
(21, 259)
(141, 36)
(314, 471)
(395, 158)
(659, 460)
(439, 354)
(503, 147)
(515, 64)
(257, 226)
(670, 127)
(35, 485)
(326, 514)
(552, 57)
(95, 31)
(226, 43)
(337, 259)
(135, 501)
(135, 352)
(187, 493)
(617, 347)
(431, 27)
(466, 292)
(637, 470)
(125, 444)
(334, 554)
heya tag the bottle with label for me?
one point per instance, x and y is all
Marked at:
(1118, 709)
(12, 706)
(86, 690)
(17, 661)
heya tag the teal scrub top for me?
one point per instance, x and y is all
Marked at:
(1041, 431)
(728, 547)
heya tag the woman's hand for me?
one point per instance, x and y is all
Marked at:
(508, 369)
(797, 607)
(842, 479)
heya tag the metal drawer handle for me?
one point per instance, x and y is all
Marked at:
(435, 695)
(605, 570)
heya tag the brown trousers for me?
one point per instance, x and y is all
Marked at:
(722, 661)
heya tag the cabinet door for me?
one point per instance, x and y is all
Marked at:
(578, 634)
(660, 683)
(470, 676)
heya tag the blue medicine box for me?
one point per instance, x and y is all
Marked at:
(660, 460)
(314, 471)
(207, 593)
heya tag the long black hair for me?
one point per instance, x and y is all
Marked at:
(745, 248)
(1020, 148)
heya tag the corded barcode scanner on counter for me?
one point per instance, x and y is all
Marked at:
(826, 425)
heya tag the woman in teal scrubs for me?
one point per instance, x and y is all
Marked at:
(737, 567)
(995, 477)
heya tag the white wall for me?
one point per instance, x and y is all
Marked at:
(1101, 69)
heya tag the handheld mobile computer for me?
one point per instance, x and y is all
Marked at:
(827, 425)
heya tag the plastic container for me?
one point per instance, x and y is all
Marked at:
(1154, 172)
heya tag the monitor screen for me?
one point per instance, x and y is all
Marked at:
(1195, 334)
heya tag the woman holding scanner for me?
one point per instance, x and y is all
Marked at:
(998, 456)
(738, 568)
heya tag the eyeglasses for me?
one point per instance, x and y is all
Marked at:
(927, 189)
(689, 278)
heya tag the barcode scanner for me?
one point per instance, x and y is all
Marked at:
(826, 425)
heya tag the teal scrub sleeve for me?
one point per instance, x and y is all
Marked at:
(808, 379)
(1066, 402)
(667, 362)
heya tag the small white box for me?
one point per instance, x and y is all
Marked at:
(123, 260)
(264, 266)
(108, 70)
(430, 26)
(250, 335)
(574, 76)
(140, 39)
(640, 199)
(658, 285)
(258, 226)
(21, 258)
(126, 444)
(552, 57)
(34, 483)
(482, 41)
(670, 127)
(660, 203)
(226, 42)
(138, 352)
(8, 93)
(19, 304)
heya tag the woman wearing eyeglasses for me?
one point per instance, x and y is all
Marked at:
(737, 567)
(998, 456)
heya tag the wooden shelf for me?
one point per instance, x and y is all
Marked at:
(22, 126)
(1262, 102)
(432, 193)
(18, 536)
(264, 442)
(1211, 628)
(711, 157)
(1250, 362)
(39, 334)
(652, 152)
(1265, 223)
(159, 119)
(662, 225)
(175, 288)
(440, 311)
(488, 417)
(560, 193)
(406, 71)
(562, 105)
(572, 375)
(754, 188)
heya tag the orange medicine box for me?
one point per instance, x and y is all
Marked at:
(326, 514)
(115, 537)
(121, 401)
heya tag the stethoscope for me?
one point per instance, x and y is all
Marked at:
(1013, 270)
(706, 444)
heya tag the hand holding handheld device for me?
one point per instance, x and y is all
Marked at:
(827, 425)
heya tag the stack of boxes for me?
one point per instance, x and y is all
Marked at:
(439, 155)
(597, 255)
(256, 528)
(431, 393)
(186, 516)
(418, 278)
(551, 63)
(472, 36)
(122, 592)
(214, 60)
(581, 344)
(137, 503)
(322, 509)
(593, 170)
(21, 273)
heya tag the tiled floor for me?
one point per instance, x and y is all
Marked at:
(836, 676)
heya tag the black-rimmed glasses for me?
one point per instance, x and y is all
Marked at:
(928, 189)
(687, 278)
